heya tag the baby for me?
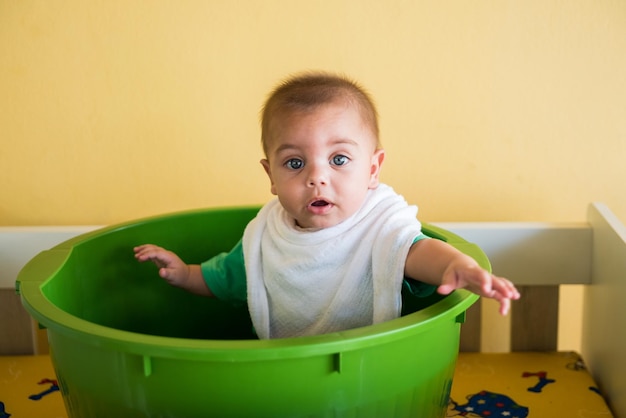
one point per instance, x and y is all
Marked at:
(333, 251)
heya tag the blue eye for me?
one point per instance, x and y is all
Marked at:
(340, 160)
(294, 164)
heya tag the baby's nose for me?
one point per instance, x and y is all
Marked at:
(317, 176)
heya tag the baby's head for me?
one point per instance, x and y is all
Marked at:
(308, 91)
(320, 138)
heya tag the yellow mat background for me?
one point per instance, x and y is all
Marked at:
(19, 379)
(569, 392)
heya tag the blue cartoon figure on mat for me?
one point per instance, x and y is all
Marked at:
(54, 386)
(543, 381)
(3, 412)
(487, 404)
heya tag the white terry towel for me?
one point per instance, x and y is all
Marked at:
(313, 282)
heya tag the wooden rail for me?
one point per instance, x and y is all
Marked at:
(539, 257)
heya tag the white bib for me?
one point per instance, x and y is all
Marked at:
(314, 282)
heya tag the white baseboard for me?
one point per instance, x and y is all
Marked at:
(533, 253)
(21, 243)
(526, 253)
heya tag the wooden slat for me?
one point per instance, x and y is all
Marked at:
(471, 329)
(534, 319)
(15, 325)
(40, 339)
(495, 334)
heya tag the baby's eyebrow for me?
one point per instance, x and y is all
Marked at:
(339, 141)
(285, 147)
(346, 141)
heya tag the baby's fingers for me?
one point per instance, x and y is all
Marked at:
(152, 253)
(504, 291)
(505, 288)
(505, 306)
(144, 252)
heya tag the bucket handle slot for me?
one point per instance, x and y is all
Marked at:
(147, 366)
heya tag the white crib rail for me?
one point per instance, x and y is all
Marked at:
(604, 325)
(539, 257)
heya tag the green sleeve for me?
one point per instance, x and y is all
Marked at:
(415, 287)
(225, 274)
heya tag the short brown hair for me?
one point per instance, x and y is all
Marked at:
(307, 91)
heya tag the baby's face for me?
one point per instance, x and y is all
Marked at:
(321, 163)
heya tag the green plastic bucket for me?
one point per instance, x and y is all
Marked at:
(126, 344)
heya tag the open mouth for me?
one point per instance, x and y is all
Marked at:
(320, 203)
(320, 206)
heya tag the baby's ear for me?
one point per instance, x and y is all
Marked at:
(377, 161)
(266, 166)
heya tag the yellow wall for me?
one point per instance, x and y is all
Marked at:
(490, 110)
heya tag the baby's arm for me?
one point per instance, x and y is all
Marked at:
(174, 270)
(435, 262)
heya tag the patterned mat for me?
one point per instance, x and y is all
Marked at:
(526, 384)
(512, 385)
(28, 388)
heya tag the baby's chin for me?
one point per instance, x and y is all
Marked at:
(312, 225)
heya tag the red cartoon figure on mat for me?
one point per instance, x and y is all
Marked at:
(487, 404)
(53, 388)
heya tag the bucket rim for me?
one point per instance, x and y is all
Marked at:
(450, 308)
(30, 287)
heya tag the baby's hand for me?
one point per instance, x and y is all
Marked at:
(171, 267)
(481, 282)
